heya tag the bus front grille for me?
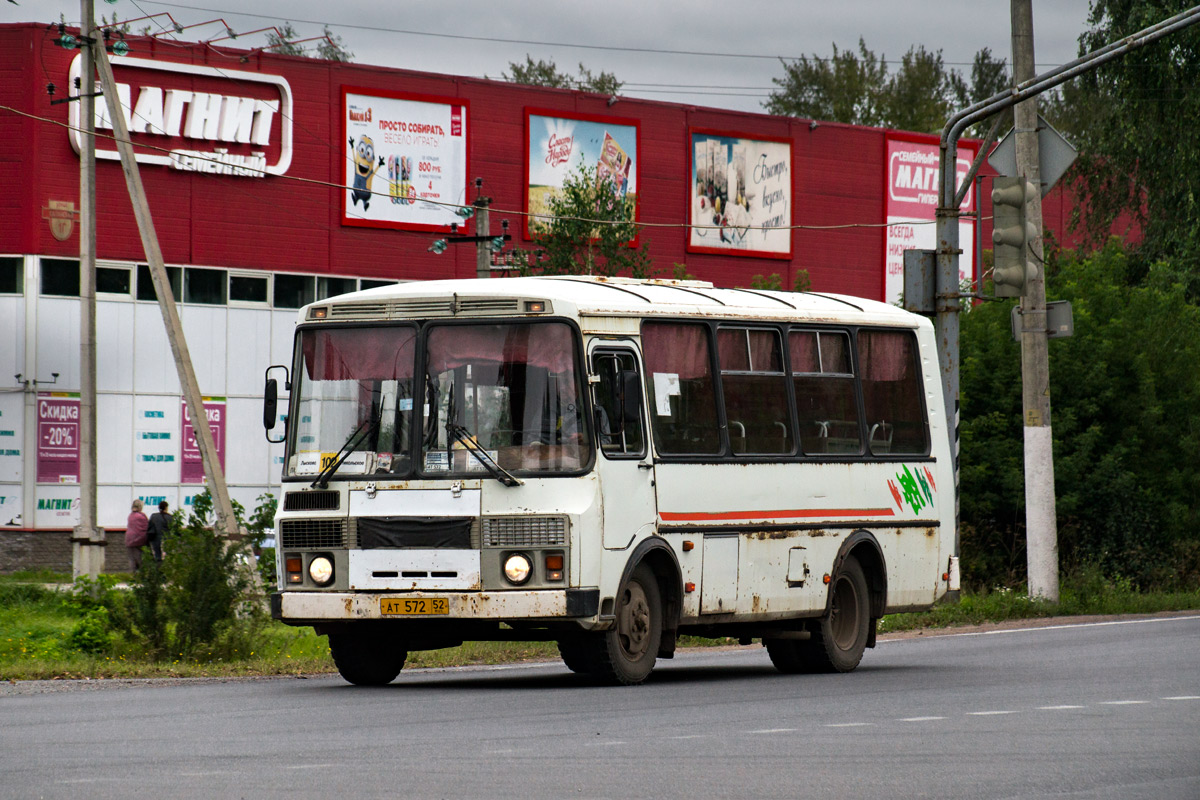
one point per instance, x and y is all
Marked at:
(524, 531)
(307, 534)
(311, 501)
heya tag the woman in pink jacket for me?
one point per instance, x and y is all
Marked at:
(135, 535)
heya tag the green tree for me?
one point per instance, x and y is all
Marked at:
(1126, 428)
(844, 88)
(1138, 158)
(331, 48)
(918, 97)
(591, 230)
(859, 88)
(546, 73)
(989, 76)
(282, 42)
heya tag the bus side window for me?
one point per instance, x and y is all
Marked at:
(754, 386)
(892, 393)
(826, 404)
(682, 388)
(618, 404)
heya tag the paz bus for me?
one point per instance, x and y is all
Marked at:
(607, 464)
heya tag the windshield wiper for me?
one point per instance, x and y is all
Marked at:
(460, 434)
(356, 438)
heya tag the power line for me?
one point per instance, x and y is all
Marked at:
(530, 42)
(513, 212)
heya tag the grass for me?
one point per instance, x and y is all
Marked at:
(45, 633)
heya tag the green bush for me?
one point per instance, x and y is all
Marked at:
(92, 633)
(1126, 423)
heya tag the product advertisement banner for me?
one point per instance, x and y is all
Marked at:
(912, 192)
(741, 196)
(560, 146)
(406, 157)
(58, 437)
(155, 440)
(191, 466)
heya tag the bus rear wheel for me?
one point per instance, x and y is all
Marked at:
(366, 661)
(840, 637)
(626, 652)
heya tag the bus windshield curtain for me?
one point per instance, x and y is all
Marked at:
(359, 354)
(547, 345)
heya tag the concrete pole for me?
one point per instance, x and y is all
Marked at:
(483, 250)
(215, 476)
(1041, 527)
(87, 549)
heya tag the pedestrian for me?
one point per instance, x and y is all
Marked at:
(160, 521)
(135, 535)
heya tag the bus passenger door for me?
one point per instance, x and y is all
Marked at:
(623, 465)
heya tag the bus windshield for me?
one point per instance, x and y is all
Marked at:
(509, 393)
(509, 390)
(354, 401)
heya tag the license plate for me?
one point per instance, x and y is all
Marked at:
(413, 606)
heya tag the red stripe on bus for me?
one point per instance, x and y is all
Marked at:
(703, 516)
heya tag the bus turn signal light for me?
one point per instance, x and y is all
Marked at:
(689, 587)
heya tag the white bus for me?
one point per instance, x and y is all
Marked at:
(609, 464)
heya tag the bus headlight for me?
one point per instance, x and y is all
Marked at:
(320, 569)
(518, 568)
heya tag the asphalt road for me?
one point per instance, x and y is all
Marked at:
(1108, 710)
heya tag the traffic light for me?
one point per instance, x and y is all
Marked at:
(438, 247)
(1011, 235)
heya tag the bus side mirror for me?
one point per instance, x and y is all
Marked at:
(631, 396)
(270, 403)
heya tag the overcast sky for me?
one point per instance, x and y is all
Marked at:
(700, 52)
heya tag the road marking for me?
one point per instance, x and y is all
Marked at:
(607, 744)
(311, 766)
(1184, 697)
(850, 725)
(920, 719)
(691, 736)
(775, 730)
(1061, 627)
(1056, 708)
(989, 713)
(1123, 702)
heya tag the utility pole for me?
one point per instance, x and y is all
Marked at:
(226, 522)
(1041, 526)
(87, 544)
(483, 254)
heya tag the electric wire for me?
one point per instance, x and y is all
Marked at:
(493, 209)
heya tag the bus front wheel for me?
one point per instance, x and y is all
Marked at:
(840, 637)
(625, 653)
(366, 661)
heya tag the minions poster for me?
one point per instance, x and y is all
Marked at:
(406, 159)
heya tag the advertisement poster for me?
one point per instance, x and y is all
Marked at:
(741, 196)
(559, 146)
(155, 445)
(191, 466)
(12, 436)
(406, 156)
(58, 437)
(912, 192)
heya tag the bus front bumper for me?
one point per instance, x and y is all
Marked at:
(316, 607)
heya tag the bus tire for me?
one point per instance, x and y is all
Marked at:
(625, 653)
(840, 637)
(575, 655)
(365, 660)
